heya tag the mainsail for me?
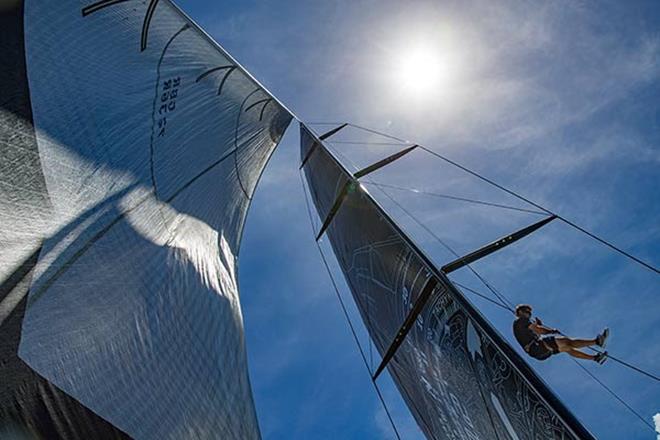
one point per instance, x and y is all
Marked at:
(131, 146)
(458, 376)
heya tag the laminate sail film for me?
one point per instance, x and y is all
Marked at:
(131, 144)
(457, 374)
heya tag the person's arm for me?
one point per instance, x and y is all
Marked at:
(540, 329)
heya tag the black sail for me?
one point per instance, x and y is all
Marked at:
(458, 376)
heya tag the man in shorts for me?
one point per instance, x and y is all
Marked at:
(535, 340)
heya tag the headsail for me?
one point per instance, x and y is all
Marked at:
(131, 145)
(458, 376)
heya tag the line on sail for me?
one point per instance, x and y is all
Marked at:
(147, 21)
(99, 5)
(68, 264)
(151, 8)
(214, 69)
(254, 104)
(238, 120)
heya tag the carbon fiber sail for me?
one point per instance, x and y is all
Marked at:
(131, 144)
(458, 376)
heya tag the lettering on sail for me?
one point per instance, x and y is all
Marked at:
(167, 102)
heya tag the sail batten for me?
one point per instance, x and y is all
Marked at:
(459, 377)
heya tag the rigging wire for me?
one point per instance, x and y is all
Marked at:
(518, 196)
(481, 295)
(359, 127)
(503, 299)
(492, 289)
(460, 199)
(626, 364)
(600, 382)
(563, 219)
(348, 319)
(609, 390)
(396, 144)
(505, 303)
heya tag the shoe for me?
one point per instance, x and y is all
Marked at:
(601, 339)
(601, 357)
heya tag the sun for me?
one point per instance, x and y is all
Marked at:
(422, 70)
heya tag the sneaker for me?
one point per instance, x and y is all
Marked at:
(601, 339)
(601, 357)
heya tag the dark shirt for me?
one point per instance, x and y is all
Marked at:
(524, 335)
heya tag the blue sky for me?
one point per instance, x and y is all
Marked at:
(559, 101)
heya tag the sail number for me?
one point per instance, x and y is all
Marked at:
(168, 95)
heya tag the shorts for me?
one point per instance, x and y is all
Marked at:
(544, 348)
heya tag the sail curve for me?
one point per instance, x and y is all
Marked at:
(124, 186)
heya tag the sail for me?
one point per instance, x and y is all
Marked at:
(130, 147)
(458, 376)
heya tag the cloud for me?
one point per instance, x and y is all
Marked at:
(656, 421)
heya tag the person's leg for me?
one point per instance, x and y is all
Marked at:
(580, 355)
(565, 344)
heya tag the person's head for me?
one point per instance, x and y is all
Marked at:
(523, 310)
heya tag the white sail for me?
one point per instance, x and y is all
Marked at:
(129, 157)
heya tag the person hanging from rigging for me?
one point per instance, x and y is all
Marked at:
(535, 338)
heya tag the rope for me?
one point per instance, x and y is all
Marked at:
(639, 370)
(609, 390)
(348, 319)
(624, 363)
(461, 199)
(497, 303)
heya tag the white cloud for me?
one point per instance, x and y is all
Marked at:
(656, 421)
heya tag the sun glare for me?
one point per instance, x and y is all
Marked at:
(422, 70)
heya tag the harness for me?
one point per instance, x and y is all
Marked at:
(529, 345)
